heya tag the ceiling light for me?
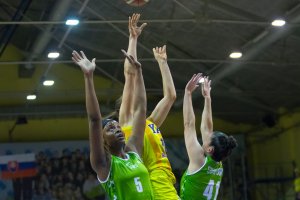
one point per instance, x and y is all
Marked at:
(278, 22)
(53, 55)
(48, 82)
(236, 54)
(72, 22)
(31, 97)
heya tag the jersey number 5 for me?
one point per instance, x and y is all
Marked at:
(208, 192)
(138, 184)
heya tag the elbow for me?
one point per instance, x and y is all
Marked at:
(170, 98)
(94, 119)
(207, 128)
(189, 124)
(94, 164)
(142, 104)
(143, 110)
(171, 95)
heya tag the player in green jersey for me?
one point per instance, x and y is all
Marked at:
(118, 165)
(202, 179)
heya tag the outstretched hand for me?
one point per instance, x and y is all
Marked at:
(86, 66)
(134, 30)
(131, 59)
(160, 53)
(206, 87)
(193, 83)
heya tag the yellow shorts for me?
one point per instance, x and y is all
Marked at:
(162, 182)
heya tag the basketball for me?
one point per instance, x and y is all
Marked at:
(136, 3)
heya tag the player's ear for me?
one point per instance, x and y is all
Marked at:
(210, 149)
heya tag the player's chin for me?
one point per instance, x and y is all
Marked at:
(120, 140)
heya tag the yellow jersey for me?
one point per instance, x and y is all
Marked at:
(154, 151)
(155, 159)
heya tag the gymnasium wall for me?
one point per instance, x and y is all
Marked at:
(273, 154)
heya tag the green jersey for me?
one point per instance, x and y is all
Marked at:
(203, 184)
(128, 179)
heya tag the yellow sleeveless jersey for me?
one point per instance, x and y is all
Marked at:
(155, 159)
(154, 151)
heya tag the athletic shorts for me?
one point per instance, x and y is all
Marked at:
(162, 182)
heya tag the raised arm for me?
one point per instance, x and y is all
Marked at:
(100, 161)
(163, 107)
(126, 108)
(136, 140)
(206, 126)
(194, 149)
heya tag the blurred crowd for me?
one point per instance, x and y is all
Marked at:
(65, 177)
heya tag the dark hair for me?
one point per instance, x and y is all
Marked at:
(106, 145)
(105, 121)
(223, 145)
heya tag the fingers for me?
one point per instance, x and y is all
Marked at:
(94, 61)
(143, 26)
(209, 85)
(194, 75)
(134, 20)
(194, 79)
(198, 77)
(207, 81)
(129, 23)
(74, 60)
(132, 58)
(154, 50)
(160, 50)
(127, 56)
(83, 55)
(137, 17)
(164, 49)
(206, 84)
(76, 55)
(194, 82)
(124, 52)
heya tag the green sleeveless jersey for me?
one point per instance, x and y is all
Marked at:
(128, 179)
(203, 184)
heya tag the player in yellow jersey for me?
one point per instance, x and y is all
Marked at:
(154, 152)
